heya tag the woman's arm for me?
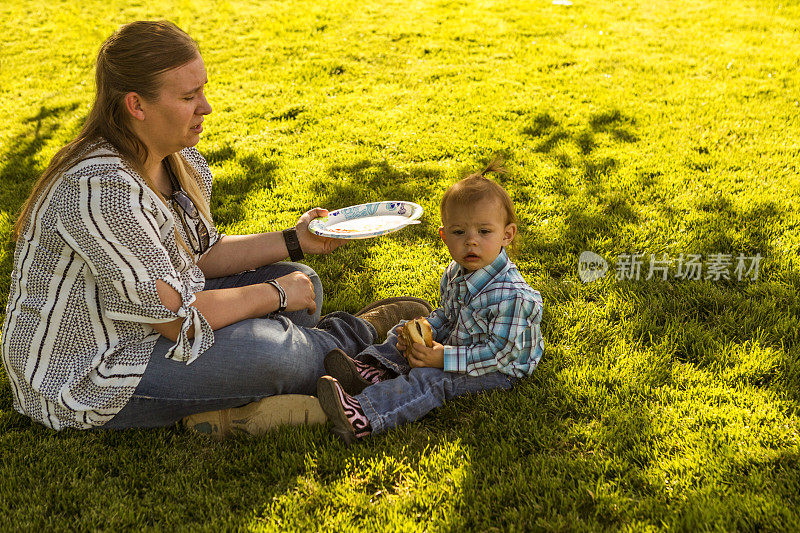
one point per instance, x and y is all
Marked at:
(223, 307)
(236, 253)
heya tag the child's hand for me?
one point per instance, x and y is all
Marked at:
(420, 355)
(400, 346)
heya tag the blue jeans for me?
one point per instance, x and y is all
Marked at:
(415, 392)
(252, 359)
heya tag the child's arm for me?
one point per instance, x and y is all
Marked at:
(441, 325)
(441, 319)
(513, 337)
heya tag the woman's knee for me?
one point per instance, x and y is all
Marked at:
(316, 282)
(272, 350)
(314, 277)
(284, 268)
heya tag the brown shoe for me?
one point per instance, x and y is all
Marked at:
(387, 313)
(257, 418)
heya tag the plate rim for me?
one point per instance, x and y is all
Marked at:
(417, 213)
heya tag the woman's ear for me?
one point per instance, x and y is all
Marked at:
(133, 104)
(509, 233)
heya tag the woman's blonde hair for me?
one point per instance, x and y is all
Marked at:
(131, 60)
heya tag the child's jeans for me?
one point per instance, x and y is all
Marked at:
(416, 391)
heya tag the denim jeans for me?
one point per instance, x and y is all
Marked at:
(278, 354)
(415, 392)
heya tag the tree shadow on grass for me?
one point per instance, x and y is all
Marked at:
(592, 439)
(552, 466)
(550, 450)
(550, 133)
(751, 305)
(19, 169)
(571, 462)
(167, 479)
(20, 165)
(590, 208)
(555, 452)
(710, 319)
(594, 207)
(228, 197)
(369, 181)
(551, 136)
(714, 326)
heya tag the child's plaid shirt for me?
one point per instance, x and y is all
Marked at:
(488, 320)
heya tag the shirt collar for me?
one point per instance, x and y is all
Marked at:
(476, 281)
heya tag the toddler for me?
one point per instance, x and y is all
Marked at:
(486, 331)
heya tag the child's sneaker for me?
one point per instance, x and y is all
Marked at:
(258, 418)
(349, 420)
(352, 375)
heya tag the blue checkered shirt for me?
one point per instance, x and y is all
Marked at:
(488, 320)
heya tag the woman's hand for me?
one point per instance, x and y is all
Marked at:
(299, 292)
(314, 244)
(420, 355)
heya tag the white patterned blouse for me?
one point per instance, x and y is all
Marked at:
(76, 338)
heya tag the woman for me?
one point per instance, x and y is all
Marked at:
(121, 280)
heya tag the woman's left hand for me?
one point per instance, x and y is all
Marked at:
(314, 244)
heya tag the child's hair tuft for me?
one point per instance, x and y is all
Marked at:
(496, 165)
(476, 187)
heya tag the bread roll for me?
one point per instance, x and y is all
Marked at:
(417, 330)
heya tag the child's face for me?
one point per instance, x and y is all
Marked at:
(475, 234)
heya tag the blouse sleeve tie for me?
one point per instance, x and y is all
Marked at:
(185, 349)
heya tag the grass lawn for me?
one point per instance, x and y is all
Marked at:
(630, 127)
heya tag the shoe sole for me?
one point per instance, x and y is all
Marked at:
(329, 400)
(338, 366)
(394, 299)
(260, 417)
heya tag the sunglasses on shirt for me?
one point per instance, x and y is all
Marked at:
(193, 224)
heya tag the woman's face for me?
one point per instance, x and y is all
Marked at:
(174, 120)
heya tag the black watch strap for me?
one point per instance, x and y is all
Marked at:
(293, 244)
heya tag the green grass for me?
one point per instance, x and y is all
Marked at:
(636, 126)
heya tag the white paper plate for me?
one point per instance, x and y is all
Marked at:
(366, 220)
